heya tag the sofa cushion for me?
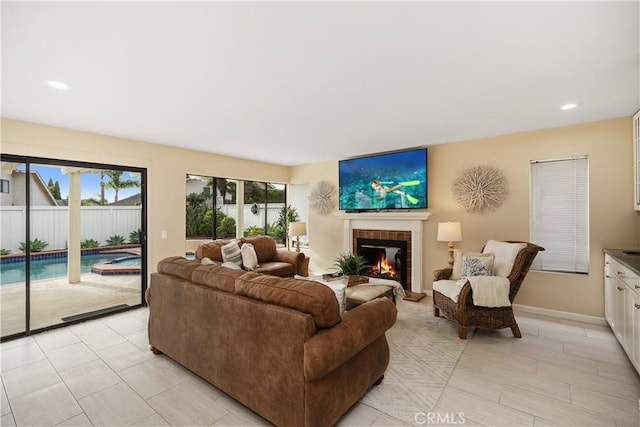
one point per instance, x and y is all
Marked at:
(178, 266)
(211, 250)
(308, 297)
(280, 269)
(264, 246)
(217, 277)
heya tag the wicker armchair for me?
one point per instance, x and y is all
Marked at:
(465, 314)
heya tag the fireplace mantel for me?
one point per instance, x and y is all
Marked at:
(401, 221)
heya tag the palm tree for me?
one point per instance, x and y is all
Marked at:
(116, 183)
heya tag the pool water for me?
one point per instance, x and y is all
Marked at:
(50, 268)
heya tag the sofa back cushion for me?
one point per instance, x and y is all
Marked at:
(178, 266)
(308, 297)
(217, 277)
(264, 246)
(212, 250)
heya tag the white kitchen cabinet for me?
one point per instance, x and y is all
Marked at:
(636, 161)
(622, 306)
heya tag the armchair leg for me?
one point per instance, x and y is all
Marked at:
(155, 350)
(462, 332)
(379, 381)
(436, 311)
(516, 331)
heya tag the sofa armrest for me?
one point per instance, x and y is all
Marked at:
(442, 274)
(330, 348)
(294, 258)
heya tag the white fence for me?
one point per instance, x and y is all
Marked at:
(249, 219)
(50, 224)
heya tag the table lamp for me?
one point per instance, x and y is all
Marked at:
(450, 232)
(297, 229)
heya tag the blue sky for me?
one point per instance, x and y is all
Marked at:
(90, 183)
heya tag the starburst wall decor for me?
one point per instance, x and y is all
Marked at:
(480, 188)
(322, 198)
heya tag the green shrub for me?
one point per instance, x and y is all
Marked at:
(254, 230)
(89, 243)
(226, 228)
(5, 251)
(36, 245)
(116, 240)
(281, 226)
(134, 236)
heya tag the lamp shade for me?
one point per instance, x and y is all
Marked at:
(297, 229)
(449, 232)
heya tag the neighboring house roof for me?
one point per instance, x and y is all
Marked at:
(39, 183)
(135, 200)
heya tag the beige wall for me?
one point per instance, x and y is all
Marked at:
(613, 222)
(166, 169)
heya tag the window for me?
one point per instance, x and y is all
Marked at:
(560, 214)
(4, 186)
(253, 206)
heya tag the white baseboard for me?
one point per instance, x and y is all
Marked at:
(594, 320)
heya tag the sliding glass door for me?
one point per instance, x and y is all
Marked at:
(82, 253)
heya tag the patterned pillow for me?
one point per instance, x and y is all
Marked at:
(477, 265)
(457, 262)
(231, 253)
(249, 257)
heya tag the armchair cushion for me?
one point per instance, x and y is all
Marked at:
(505, 254)
(449, 288)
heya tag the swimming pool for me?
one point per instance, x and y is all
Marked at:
(57, 267)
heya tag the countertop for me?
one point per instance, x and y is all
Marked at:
(630, 261)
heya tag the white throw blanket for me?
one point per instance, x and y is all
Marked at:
(489, 291)
(398, 291)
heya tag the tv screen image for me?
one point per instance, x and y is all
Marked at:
(395, 180)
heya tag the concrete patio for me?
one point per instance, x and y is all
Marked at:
(54, 299)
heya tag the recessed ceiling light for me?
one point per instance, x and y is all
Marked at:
(568, 106)
(58, 85)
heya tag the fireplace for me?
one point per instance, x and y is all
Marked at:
(387, 259)
(387, 251)
(405, 226)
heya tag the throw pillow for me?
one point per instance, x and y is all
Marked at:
(249, 257)
(206, 261)
(477, 265)
(456, 274)
(231, 253)
(505, 254)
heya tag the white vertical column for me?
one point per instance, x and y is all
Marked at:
(240, 208)
(73, 240)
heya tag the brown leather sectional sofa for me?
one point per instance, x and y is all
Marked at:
(277, 345)
(270, 260)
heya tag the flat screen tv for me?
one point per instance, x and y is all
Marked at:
(384, 181)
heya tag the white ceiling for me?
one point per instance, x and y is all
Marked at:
(301, 82)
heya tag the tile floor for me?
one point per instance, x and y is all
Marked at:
(101, 373)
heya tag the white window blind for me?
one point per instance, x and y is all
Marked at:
(560, 214)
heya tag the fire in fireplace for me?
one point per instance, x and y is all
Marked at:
(386, 258)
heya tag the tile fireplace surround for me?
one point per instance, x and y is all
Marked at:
(390, 221)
